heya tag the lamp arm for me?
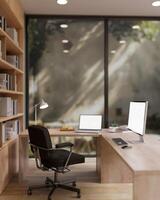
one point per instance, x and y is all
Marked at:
(35, 113)
(36, 105)
(42, 104)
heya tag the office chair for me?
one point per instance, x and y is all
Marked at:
(48, 158)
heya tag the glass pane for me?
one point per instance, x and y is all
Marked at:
(66, 69)
(134, 69)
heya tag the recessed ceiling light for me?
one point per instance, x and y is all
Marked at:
(113, 51)
(122, 41)
(136, 27)
(62, 2)
(65, 41)
(156, 3)
(64, 25)
(65, 51)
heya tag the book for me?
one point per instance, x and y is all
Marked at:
(8, 81)
(13, 82)
(12, 32)
(4, 81)
(10, 130)
(6, 108)
(13, 60)
(15, 107)
(3, 133)
(2, 23)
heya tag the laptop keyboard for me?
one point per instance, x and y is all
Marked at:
(87, 131)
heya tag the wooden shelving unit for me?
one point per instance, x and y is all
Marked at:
(11, 46)
(7, 66)
(11, 92)
(9, 152)
(4, 119)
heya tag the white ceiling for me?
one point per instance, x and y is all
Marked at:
(92, 7)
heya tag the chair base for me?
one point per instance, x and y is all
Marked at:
(49, 183)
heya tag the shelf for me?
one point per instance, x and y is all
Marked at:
(11, 46)
(5, 65)
(3, 119)
(8, 142)
(10, 15)
(12, 92)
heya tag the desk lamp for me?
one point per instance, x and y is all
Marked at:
(42, 105)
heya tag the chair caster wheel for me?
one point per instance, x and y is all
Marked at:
(78, 195)
(74, 184)
(29, 191)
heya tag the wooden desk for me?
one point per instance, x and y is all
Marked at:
(23, 146)
(139, 165)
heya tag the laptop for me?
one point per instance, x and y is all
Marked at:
(90, 123)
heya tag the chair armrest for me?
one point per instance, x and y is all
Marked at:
(63, 145)
(41, 148)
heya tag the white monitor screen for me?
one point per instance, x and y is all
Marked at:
(90, 122)
(137, 117)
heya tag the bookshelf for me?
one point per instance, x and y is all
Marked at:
(12, 14)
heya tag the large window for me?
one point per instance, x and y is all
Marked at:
(66, 69)
(134, 68)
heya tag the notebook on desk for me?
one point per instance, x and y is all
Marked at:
(90, 124)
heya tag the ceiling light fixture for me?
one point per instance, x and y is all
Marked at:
(65, 41)
(65, 51)
(64, 25)
(62, 2)
(156, 3)
(113, 51)
(122, 41)
(136, 27)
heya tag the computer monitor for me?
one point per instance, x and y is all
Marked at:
(137, 118)
(90, 122)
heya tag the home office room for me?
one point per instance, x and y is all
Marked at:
(79, 100)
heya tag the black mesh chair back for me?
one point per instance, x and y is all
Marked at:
(39, 136)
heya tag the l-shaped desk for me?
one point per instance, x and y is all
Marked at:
(139, 165)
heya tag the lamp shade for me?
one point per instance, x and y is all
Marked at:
(43, 104)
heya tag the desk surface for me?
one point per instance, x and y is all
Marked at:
(57, 132)
(142, 157)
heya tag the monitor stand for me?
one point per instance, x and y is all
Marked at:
(141, 140)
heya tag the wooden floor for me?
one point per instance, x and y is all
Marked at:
(87, 180)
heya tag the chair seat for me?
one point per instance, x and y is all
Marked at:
(57, 158)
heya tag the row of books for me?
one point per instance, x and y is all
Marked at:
(13, 60)
(10, 130)
(8, 106)
(3, 23)
(12, 32)
(8, 81)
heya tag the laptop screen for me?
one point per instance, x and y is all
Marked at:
(90, 122)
